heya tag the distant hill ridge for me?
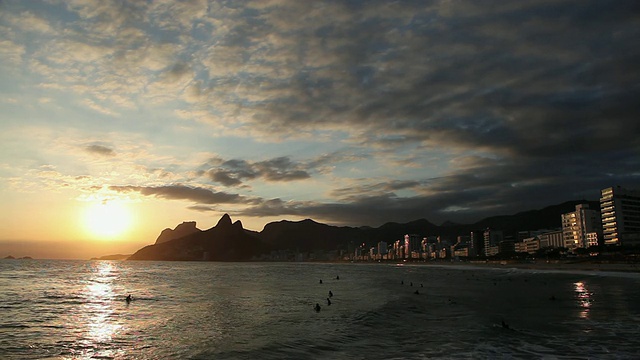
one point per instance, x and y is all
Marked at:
(184, 229)
(229, 241)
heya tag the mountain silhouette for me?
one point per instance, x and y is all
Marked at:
(229, 241)
(308, 235)
(184, 229)
(224, 242)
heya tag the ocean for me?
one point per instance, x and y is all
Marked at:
(52, 309)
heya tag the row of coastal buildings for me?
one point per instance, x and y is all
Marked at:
(615, 223)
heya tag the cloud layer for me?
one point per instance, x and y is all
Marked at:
(354, 112)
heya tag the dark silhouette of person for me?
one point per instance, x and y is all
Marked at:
(401, 282)
(320, 281)
(317, 307)
(330, 293)
(338, 277)
(505, 325)
(328, 302)
(411, 283)
(128, 299)
(416, 292)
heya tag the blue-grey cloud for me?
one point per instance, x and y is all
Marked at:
(233, 172)
(482, 107)
(100, 150)
(182, 192)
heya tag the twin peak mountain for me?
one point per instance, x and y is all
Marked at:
(226, 241)
(229, 241)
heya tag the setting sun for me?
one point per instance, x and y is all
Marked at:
(107, 219)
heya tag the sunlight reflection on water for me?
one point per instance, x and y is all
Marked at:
(98, 313)
(77, 310)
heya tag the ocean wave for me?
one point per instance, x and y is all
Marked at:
(14, 326)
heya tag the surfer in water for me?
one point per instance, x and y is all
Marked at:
(128, 299)
(317, 307)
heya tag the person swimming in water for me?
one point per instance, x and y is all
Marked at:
(128, 299)
(330, 293)
(317, 307)
(328, 301)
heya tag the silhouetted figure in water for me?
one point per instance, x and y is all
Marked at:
(338, 277)
(505, 325)
(421, 285)
(553, 297)
(401, 282)
(417, 292)
(320, 281)
(411, 283)
(317, 307)
(330, 293)
(328, 302)
(128, 299)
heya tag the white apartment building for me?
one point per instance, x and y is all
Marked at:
(620, 209)
(576, 225)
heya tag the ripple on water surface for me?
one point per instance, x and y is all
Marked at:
(247, 311)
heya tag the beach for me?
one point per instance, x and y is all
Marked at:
(559, 265)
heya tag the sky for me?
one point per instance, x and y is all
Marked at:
(121, 118)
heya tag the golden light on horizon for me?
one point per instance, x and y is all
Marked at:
(106, 220)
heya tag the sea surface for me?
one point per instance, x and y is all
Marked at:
(52, 309)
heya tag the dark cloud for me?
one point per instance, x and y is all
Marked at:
(202, 208)
(235, 172)
(176, 72)
(479, 188)
(497, 76)
(224, 177)
(525, 104)
(100, 150)
(544, 91)
(357, 192)
(181, 192)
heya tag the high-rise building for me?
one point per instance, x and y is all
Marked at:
(382, 248)
(412, 245)
(620, 209)
(552, 239)
(476, 242)
(576, 225)
(492, 239)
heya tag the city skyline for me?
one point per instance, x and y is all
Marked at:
(119, 119)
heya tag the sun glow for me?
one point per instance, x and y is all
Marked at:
(107, 220)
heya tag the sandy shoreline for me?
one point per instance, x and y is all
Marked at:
(556, 265)
(551, 265)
